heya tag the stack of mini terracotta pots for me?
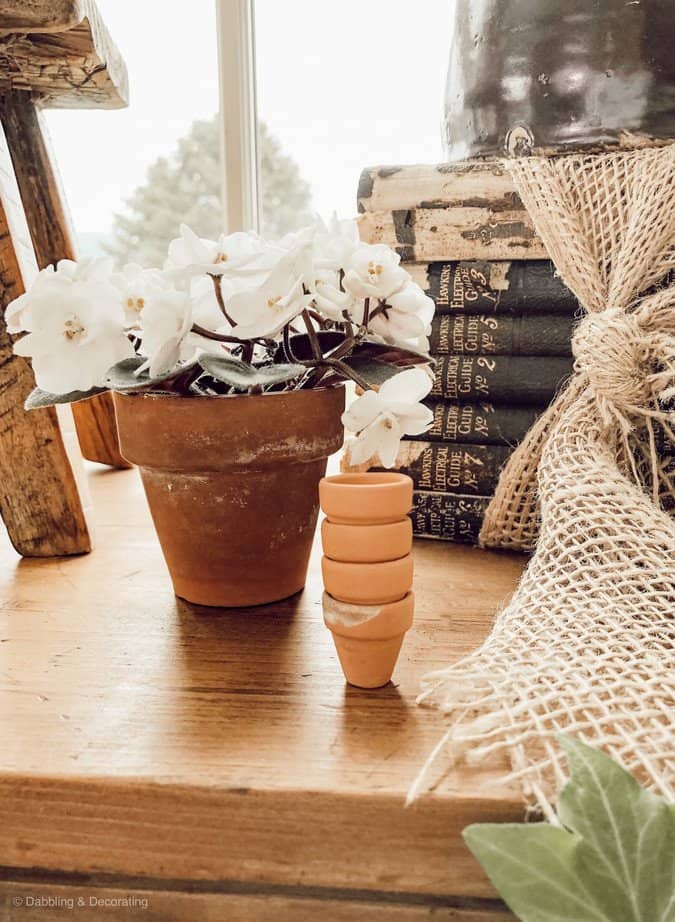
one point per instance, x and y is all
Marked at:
(367, 571)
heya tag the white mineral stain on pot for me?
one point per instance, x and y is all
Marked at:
(347, 615)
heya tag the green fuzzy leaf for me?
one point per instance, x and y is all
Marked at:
(39, 398)
(243, 377)
(614, 860)
(123, 376)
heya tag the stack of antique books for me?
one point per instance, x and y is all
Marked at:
(501, 334)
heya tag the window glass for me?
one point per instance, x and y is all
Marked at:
(342, 86)
(132, 175)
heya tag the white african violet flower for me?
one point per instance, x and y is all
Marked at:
(190, 255)
(331, 300)
(373, 271)
(43, 286)
(335, 242)
(76, 326)
(406, 318)
(167, 320)
(381, 417)
(137, 288)
(265, 310)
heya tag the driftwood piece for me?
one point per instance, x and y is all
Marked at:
(39, 501)
(447, 211)
(62, 52)
(52, 239)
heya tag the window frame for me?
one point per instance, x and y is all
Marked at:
(235, 27)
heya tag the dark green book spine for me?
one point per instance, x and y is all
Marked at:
(482, 287)
(501, 334)
(479, 423)
(448, 516)
(448, 467)
(500, 379)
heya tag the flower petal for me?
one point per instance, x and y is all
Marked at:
(362, 412)
(409, 386)
(389, 441)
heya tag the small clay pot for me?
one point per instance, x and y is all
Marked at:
(232, 486)
(373, 498)
(367, 583)
(366, 543)
(368, 639)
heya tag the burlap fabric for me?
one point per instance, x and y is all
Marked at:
(587, 644)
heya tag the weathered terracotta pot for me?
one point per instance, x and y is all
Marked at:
(372, 498)
(366, 543)
(368, 639)
(232, 485)
(368, 583)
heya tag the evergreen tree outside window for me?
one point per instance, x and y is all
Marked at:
(186, 187)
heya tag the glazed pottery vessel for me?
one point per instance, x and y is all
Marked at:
(232, 485)
(368, 649)
(548, 76)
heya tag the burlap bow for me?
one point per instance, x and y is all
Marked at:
(609, 224)
(586, 644)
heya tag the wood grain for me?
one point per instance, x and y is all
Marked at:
(39, 501)
(52, 238)
(62, 52)
(62, 902)
(468, 210)
(147, 737)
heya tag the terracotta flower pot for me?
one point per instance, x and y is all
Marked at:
(232, 486)
(368, 583)
(366, 543)
(366, 499)
(368, 639)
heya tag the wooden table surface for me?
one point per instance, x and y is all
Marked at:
(214, 762)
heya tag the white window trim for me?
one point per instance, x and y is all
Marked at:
(236, 65)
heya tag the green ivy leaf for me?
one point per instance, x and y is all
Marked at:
(39, 398)
(243, 377)
(614, 860)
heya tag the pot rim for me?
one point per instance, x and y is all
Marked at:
(150, 395)
(372, 480)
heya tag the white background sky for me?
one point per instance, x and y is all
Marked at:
(342, 85)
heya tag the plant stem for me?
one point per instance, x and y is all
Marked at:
(366, 314)
(247, 351)
(288, 349)
(348, 372)
(224, 338)
(313, 338)
(323, 362)
(219, 298)
(380, 309)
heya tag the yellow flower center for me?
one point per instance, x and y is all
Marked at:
(375, 268)
(220, 257)
(136, 304)
(273, 303)
(73, 328)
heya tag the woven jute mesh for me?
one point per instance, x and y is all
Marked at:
(587, 643)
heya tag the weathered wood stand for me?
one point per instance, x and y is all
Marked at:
(52, 55)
